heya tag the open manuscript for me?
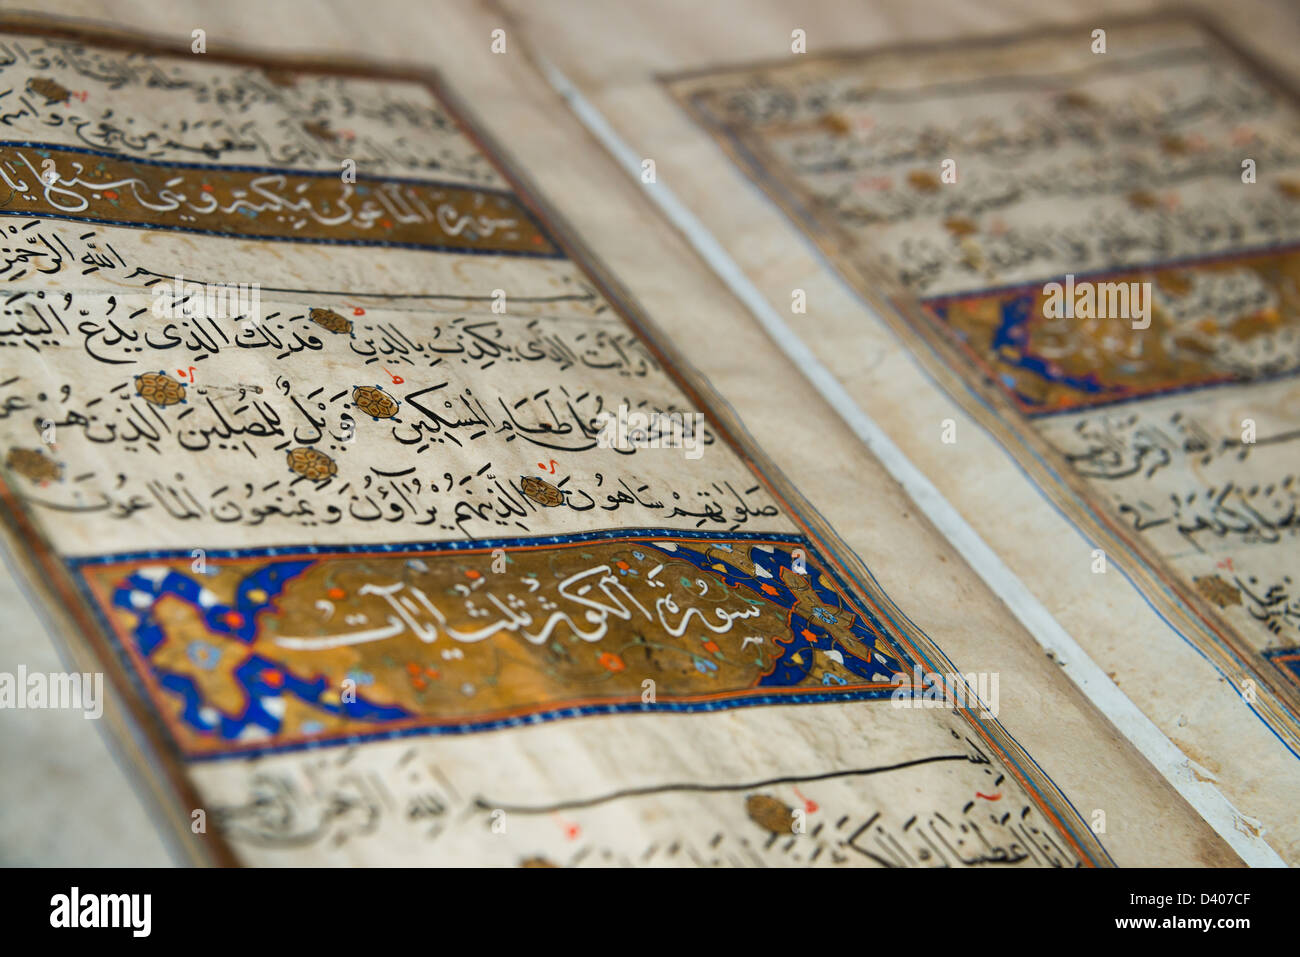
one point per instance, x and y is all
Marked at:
(405, 533)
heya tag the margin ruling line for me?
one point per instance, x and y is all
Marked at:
(1141, 731)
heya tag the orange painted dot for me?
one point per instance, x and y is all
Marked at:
(472, 574)
(612, 661)
(431, 672)
(110, 194)
(711, 647)
(273, 678)
(419, 683)
(233, 618)
(412, 667)
(337, 593)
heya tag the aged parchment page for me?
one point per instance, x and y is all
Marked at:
(371, 589)
(1174, 465)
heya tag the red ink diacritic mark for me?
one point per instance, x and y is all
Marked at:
(809, 806)
(571, 830)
